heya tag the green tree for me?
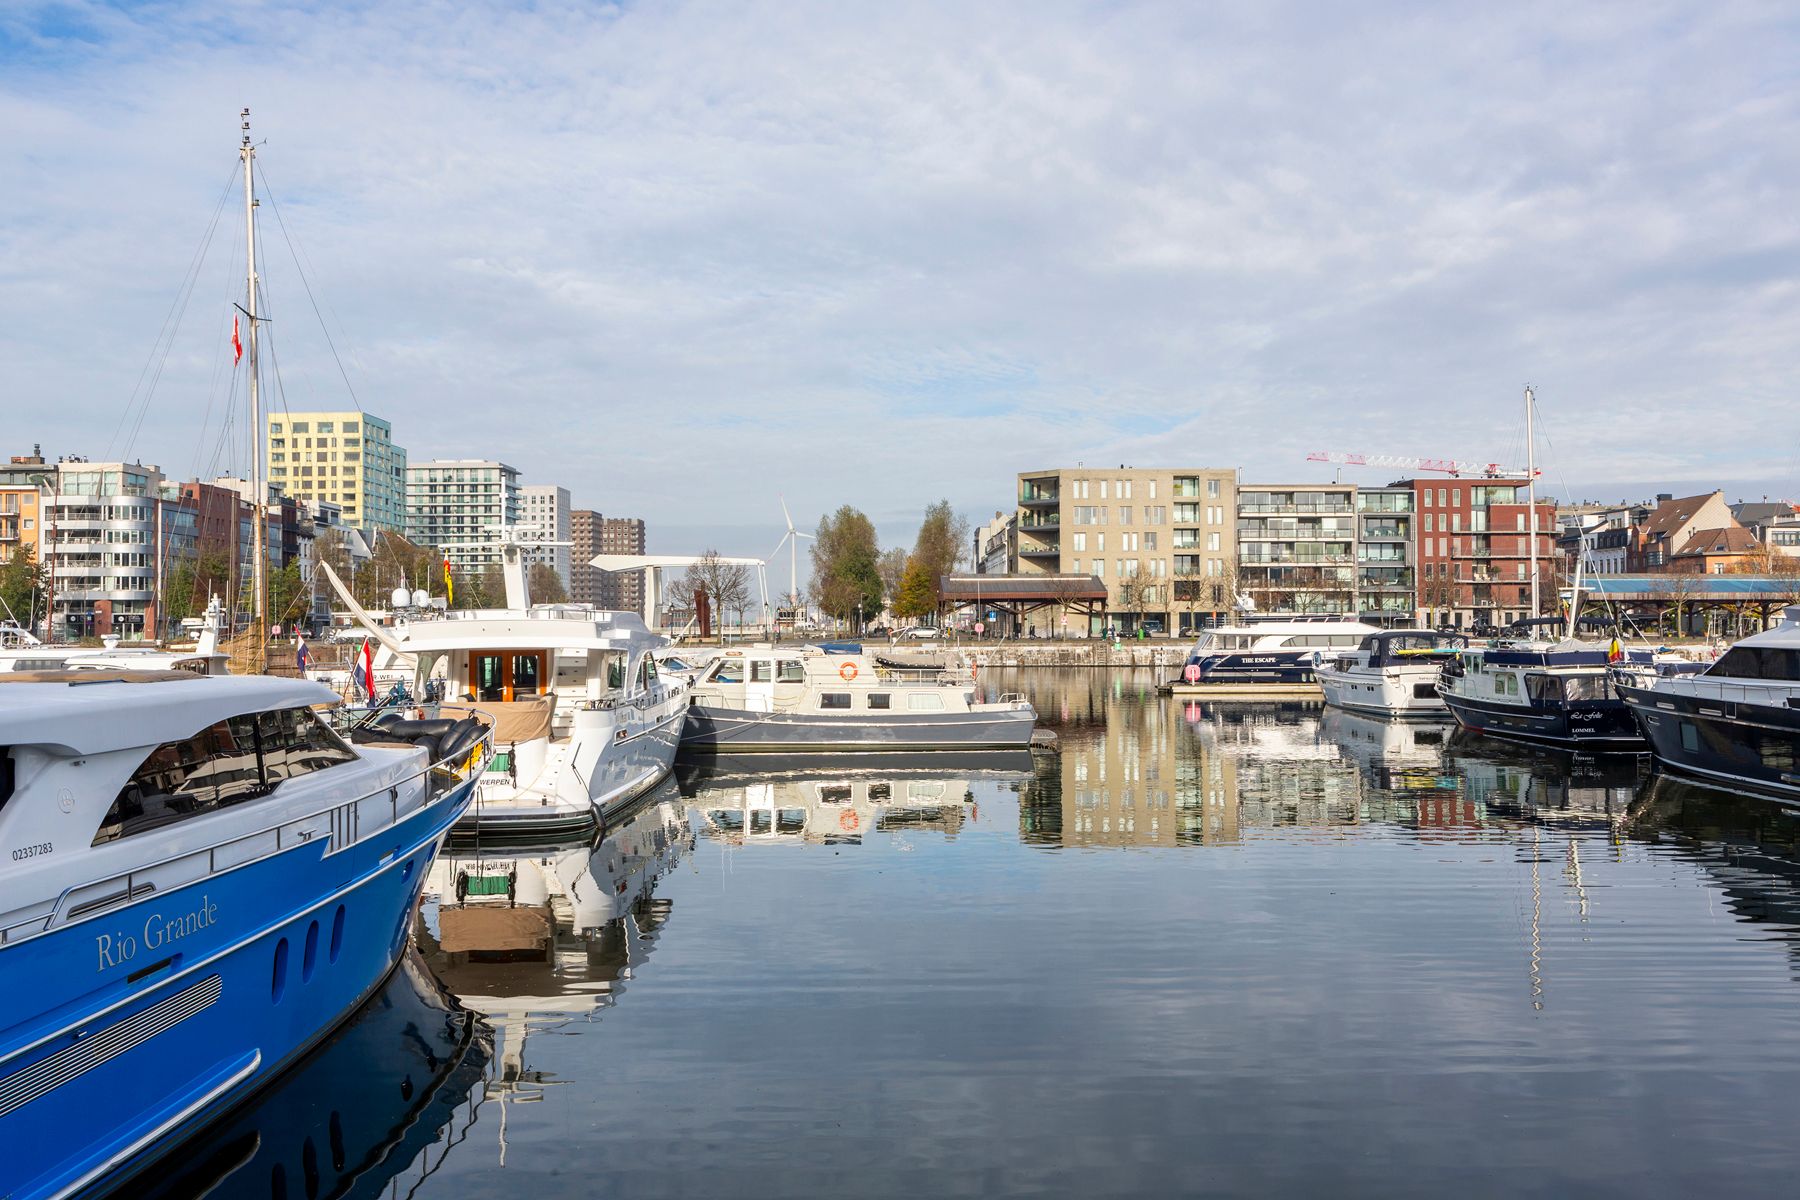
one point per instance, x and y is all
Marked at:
(21, 585)
(918, 595)
(943, 537)
(844, 557)
(546, 585)
(290, 600)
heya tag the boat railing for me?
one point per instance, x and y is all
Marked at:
(343, 827)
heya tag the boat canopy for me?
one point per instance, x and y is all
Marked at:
(1392, 646)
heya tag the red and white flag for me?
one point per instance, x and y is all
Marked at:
(237, 347)
(369, 669)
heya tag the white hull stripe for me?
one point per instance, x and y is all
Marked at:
(23, 1086)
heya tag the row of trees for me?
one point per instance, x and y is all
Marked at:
(852, 575)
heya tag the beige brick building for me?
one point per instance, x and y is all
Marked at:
(1161, 539)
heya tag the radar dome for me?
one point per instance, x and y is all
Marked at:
(402, 598)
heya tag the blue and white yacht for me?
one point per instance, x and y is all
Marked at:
(1736, 722)
(203, 880)
(1272, 650)
(1561, 693)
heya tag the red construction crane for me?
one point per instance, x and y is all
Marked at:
(1445, 466)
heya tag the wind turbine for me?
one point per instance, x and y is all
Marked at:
(791, 539)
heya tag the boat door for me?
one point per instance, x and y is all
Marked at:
(759, 685)
(508, 675)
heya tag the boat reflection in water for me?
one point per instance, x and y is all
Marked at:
(386, 1096)
(837, 800)
(535, 937)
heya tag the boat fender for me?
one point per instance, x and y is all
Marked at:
(849, 822)
(847, 672)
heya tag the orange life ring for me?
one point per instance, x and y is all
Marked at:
(847, 672)
(848, 821)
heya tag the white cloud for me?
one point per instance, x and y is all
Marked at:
(680, 257)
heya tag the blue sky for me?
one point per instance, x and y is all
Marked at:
(684, 257)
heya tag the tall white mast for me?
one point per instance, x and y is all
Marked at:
(1531, 496)
(257, 492)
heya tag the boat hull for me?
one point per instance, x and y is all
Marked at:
(1748, 746)
(1405, 695)
(1599, 725)
(626, 770)
(1265, 667)
(179, 1004)
(739, 731)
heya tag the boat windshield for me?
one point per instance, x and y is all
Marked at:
(1758, 662)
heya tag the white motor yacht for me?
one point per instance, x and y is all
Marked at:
(584, 721)
(1274, 650)
(1393, 673)
(807, 698)
(20, 651)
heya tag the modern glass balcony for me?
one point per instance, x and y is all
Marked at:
(1037, 494)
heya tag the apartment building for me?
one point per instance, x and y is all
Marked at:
(1475, 551)
(1160, 539)
(345, 458)
(456, 504)
(584, 578)
(1386, 555)
(18, 523)
(623, 590)
(545, 508)
(101, 522)
(1296, 547)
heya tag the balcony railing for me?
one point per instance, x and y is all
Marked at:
(1032, 494)
(1044, 520)
(1031, 550)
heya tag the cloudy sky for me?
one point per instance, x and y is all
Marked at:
(683, 257)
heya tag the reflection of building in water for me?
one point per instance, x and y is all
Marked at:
(1287, 772)
(1405, 779)
(1131, 782)
(831, 803)
(382, 1094)
(535, 937)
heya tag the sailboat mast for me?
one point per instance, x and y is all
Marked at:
(257, 493)
(1531, 496)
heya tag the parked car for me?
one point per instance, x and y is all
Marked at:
(922, 633)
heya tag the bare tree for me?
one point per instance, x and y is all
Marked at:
(726, 585)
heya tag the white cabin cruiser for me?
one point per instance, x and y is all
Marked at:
(1275, 650)
(1393, 673)
(20, 651)
(584, 722)
(807, 698)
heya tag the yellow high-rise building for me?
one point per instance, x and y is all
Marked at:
(346, 458)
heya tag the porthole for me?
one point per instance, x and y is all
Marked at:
(278, 978)
(309, 958)
(337, 933)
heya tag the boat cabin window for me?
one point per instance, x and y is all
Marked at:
(650, 668)
(879, 700)
(1758, 662)
(836, 793)
(1587, 687)
(762, 671)
(238, 759)
(925, 702)
(1544, 689)
(643, 675)
(506, 675)
(615, 672)
(834, 699)
(792, 671)
(729, 670)
(8, 776)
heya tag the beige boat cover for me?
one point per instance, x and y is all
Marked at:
(519, 721)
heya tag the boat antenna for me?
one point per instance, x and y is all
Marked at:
(258, 495)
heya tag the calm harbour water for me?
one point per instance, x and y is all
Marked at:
(1242, 949)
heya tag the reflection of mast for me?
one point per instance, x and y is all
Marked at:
(1537, 908)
